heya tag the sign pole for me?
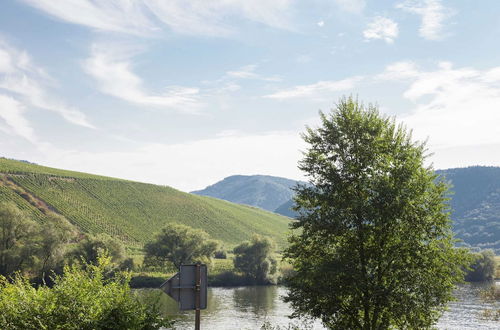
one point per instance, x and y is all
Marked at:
(197, 289)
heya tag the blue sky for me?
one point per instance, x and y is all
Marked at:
(185, 93)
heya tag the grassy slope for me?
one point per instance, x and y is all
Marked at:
(134, 211)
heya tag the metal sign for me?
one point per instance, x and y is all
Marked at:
(189, 288)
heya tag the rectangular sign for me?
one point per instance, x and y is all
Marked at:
(187, 286)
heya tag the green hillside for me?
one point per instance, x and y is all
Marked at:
(131, 211)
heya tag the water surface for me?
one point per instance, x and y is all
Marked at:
(250, 307)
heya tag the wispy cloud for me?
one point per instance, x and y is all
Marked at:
(11, 111)
(316, 90)
(112, 68)
(149, 17)
(433, 15)
(272, 153)
(381, 28)
(25, 83)
(453, 106)
(248, 72)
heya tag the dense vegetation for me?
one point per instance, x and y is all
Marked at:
(264, 191)
(483, 267)
(179, 245)
(84, 297)
(475, 205)
(256, 260)
(375, 248)
(475, 201)
(130, 211)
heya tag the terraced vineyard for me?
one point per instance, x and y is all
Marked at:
(131, 211)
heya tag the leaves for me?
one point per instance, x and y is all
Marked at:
(83, 298)
(375, 247)
(179, 245)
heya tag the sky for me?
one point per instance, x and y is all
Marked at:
(185, 93)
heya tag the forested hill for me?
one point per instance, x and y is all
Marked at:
(131, 211)
(475, 202)
(264, 191)
(475, 205)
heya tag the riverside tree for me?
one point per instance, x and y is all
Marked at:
(179, 244)
(373, 247)
(255, 259)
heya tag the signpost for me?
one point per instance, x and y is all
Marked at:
(189, 288)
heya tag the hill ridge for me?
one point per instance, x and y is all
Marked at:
(133, 211)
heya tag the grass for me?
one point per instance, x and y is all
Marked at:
(131, 211)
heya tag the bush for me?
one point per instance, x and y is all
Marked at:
(179, 244)
(82, 298)
(255, 259)
(220, 254)
(483, 267)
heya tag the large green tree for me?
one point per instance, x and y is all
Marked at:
(373, 247)
(179, 244)
(18, 241)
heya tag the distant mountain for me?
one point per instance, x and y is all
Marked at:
(286, 209)
(264, 191)
(475, 201)
(476, 205)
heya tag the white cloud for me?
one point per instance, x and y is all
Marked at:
(321, 23)
(112, 69)
(316, 90)
(454, 107)
(248, 72)
(148, 17)
(381, 28)
(273, 153)
(11, 111)
(433, 15)
(399, 71)
(19, 76)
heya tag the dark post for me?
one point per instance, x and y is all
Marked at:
(197, 289)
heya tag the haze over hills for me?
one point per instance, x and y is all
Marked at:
(131, 211)
(475, 205)
(264, 191)
(475, 202)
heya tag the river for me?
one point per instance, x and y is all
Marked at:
(250, 307)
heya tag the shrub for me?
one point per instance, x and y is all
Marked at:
(255, 259)
(483, 267)
(220, 254)
(82, 298)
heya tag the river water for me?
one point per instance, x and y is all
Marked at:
(251, 307)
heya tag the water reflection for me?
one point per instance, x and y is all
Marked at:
(258, 299)
(250, 307)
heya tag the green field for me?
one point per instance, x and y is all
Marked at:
(128, 210)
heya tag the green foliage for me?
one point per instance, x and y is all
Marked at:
(482, 268)
(220, 254)
(255, 259)
(27, 246)
(179, 244)
(131, 211)
(82, 298)
(90, 248)
(374, 248)
(17, 241)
